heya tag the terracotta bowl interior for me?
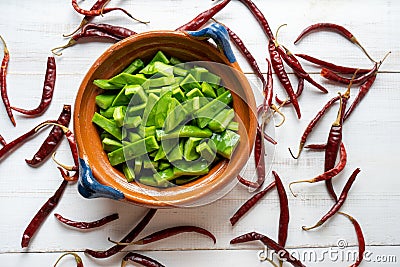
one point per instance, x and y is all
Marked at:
(144, 46)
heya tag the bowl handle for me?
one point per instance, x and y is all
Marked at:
(220, 35)
(89, 187)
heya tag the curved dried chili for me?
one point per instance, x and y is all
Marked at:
(48, 90)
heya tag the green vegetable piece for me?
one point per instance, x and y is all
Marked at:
(119, 115)
(205, 114)
(221, 90)
(222, 120)
(110, 145)
(176, 115)
(133, 137)
(176, 153)
(207, 90)
(104, 101)
(193, 93)
(207, 150)
(189, 83)
(175, 61)
(154, 91)
(132, 121)
(137, 93)
(133, 150)
(186, 131)
(158, 82)
(161, 110)
(126, 78)
(159, 68)
(121, 99)
(107, 125)
(148, 180)
(164, 177)
(108, 113)
(129, 174)
(160, 154)
(179, 94)
(211, 78)
(136, 110)
(105, 85)
(180, 72)
(191, 168)
(151, 104)
(189, 150)
(134, 66)
(198, 72)
(226, 143)
(149, 164)
(162, 165)
(160, 56)
(233, 126)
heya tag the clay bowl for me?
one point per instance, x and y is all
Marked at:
(202, 191)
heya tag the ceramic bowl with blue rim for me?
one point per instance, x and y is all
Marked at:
(211, 46)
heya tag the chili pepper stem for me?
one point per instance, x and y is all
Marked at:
(65, 167)
(65, 129)
(275, 109)
(298, 182)
(276, 34)
(69, 44)
(301, 146)
(318, 224)
(4, 45)
(124, 243)
(78, 259)
(356, 42)
(102, 8)
(83, 23)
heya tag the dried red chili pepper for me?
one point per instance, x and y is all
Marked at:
(282, 252)
(261, 112)
(250, 203)
(335, 28)
(328, 174)
(312, 124)
(53, 139)
(127, 239)
(361, 94)
(74, 151)
(48, 90)
(330, 75)
(141, 259)
(259, 16)
(21, 139)
(117, 31)
(87, 225)
(294, 63)
(336, 207)
(3, 81)
(78, 259)
(279, 69)
(316, 146)
(331, 66)
(284, 211)
(2, 140)
(201, 19)
(101, 10)
(259, 159)
(334, 141)
(90, 33)
(168, 232)
(42, 214)
(300, 88)
(360, 238)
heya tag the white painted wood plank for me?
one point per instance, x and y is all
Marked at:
(329, 257)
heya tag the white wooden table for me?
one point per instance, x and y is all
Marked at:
(32, 28)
